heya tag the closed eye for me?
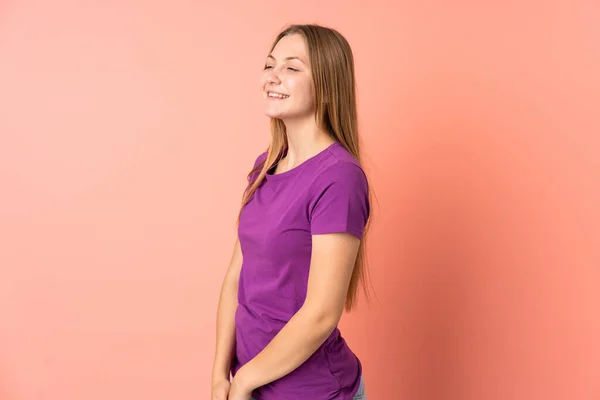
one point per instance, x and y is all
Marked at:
(289, 68)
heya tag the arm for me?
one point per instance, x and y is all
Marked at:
(332, 261)
(226, 318)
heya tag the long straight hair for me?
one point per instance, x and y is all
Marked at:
(332, 65)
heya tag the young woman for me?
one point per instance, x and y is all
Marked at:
(298, 259)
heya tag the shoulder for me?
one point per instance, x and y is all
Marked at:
(342, 173)
(342, 169)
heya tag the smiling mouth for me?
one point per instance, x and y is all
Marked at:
(277, 96)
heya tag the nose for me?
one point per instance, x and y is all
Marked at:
(272, 77)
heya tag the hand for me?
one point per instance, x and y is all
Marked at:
(238, 392)
(220, 390)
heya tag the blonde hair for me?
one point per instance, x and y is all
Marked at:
(332, 65)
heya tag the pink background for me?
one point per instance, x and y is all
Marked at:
(126, 131)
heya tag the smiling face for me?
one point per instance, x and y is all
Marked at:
(286, 81)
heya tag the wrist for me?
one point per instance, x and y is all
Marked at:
(220, 377)
(221, 369)
(243, 380)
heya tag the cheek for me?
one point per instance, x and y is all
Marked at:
(302, 88)
(309, 94)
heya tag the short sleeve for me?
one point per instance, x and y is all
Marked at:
(340, 200)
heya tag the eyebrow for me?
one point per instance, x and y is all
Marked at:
(287, 58)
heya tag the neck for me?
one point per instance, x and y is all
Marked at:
(305, 139)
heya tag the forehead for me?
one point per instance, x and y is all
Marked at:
(291, 46)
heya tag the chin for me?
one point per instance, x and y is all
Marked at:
(283, 115)
(274, 114)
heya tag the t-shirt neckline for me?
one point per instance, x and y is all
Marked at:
(299, 167)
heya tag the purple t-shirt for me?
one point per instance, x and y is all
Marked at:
(327, 193)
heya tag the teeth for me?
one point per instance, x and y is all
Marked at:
(279, 96)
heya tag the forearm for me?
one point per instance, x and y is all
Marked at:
(294, 344)
(225, 344)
